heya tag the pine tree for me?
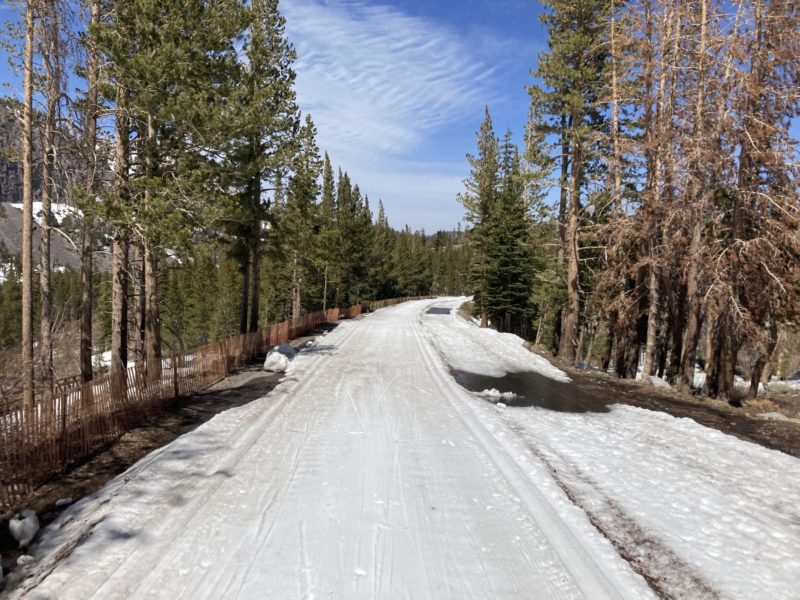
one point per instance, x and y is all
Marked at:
(383, 239)
(481, 189)
(266, 125)
(296, 227)
(52, 51)
(176, 62)
(508, 289)
(328, 234)
(27, 212)
(572, 75)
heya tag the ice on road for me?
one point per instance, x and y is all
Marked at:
(369, 473)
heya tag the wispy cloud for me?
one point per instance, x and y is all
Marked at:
(378, 80)
(397, 98)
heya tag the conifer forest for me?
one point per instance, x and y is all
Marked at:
(400, 299)
(647, 223)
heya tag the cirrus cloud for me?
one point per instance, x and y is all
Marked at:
(380, 85)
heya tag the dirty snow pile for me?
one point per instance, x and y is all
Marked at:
(279, 357)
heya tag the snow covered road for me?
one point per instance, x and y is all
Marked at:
(369, 473)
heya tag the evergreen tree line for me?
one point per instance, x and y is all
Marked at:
(657, 209)
(199, 176)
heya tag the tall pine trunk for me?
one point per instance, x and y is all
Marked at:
(569, 330)
(296, 307)
(244, 312)
(255, 295)
(562, 225)
(152, 322)
(697, 199)
(119, 303)
(652, 323)
(611, 325)
(139, 299)
(51, 61)
(655, 138)
(88, 220)
(119, 251)
(27, 213)
(691, 334)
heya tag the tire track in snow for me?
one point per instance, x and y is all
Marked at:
(421, 452)
(246, 433)
(589, 576)
(668, 574)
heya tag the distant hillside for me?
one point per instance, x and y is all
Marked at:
(69, 172)
(62, 252)
(69, 160)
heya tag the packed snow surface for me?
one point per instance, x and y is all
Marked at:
(369, 473)
(466, 347)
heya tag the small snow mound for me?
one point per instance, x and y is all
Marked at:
(25, 559)
(360, 572)
(773, 416)
(24, 526)
(494, 395)
(62, 502)
(657, 382)
(278, 358)
(500, 405)
(276, 363)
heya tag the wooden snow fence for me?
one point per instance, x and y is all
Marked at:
(39, 442)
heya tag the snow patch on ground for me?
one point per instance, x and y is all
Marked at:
(701, 513)
(494, 395)
(773, 416)
(658, 382)
(488, 352)
(59, 211)
(699, 510)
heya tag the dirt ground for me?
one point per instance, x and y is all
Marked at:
(251, 383)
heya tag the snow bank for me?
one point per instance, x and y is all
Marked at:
(700, 508)
(483, 351)
(702, 513)
(657, 382)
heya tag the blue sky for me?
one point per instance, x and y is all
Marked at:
(397, 89)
